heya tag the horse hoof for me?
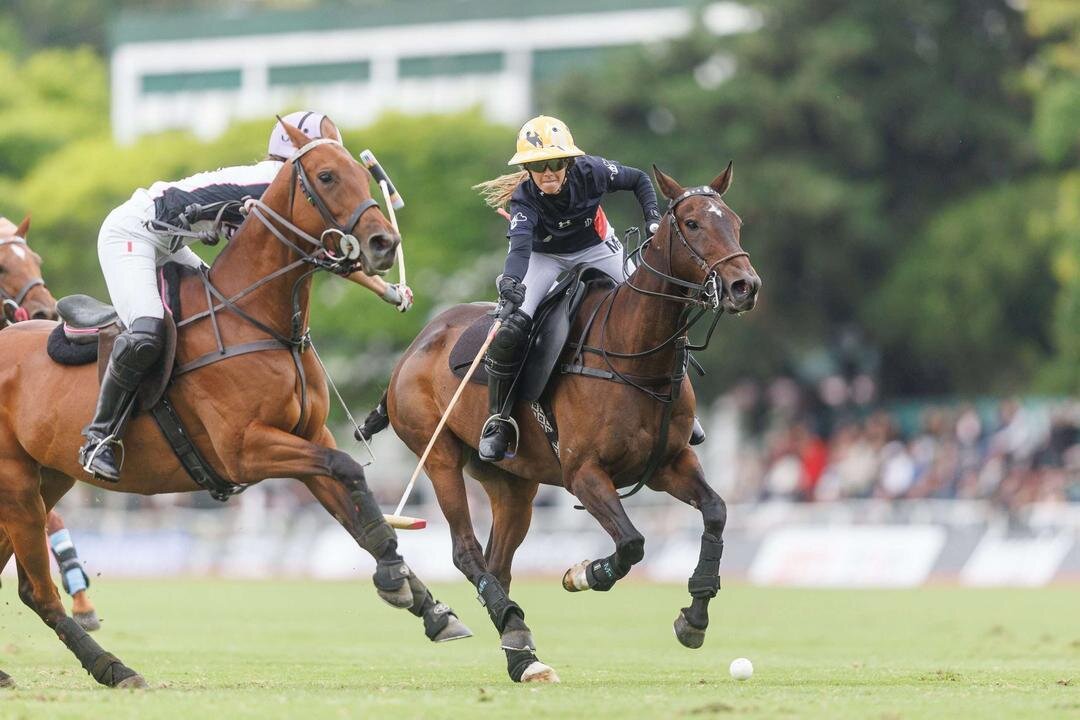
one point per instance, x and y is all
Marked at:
(538, 672)
(402, 598)
(135, 682)
(687, 634)
(6, 681)
(88, 621)
(454, 630)
(574, 580)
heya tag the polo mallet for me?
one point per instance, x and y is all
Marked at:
(403, 522)
(394, 201)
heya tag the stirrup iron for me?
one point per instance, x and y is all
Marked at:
(511, 448)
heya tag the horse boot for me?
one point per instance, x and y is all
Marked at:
(697, 433)
(503, 362)
(133, 354)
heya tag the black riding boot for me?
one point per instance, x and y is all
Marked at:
(133, 354)
(503, 362)
(697, 434)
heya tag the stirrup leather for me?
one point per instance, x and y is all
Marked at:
(511, 449)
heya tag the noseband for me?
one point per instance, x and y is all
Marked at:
(347, 242)
(707, 292)
(13, 303)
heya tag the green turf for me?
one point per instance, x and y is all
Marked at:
(214, 650)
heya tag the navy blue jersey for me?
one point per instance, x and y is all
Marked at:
(567, 222)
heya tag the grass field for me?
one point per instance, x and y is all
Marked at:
(215, 650)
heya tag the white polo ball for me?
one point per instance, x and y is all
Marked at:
(741, 669)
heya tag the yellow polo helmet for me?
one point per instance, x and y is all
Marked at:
(544, 138)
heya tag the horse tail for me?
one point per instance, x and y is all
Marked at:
(376, 421)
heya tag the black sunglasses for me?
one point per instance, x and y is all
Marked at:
(541, 165)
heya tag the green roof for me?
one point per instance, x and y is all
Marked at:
(132, 26)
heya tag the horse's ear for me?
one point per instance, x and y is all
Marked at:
(668, 186)
(298, 138)
(24, 227)
(723, 180)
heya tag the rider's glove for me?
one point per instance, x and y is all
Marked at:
(399, 295)
(511, 295)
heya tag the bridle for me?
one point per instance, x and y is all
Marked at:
(13, 303)
(707, 292)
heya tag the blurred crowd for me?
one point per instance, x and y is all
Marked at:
(1007, 452)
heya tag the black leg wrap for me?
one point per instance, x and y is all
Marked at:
(499, 605)
(390, 574)
(103, 666)
(602, 574)
(517, 661)
(376, 534)
(705, 582)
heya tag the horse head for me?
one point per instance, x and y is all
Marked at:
(332, 203)
(699, 233)
(22, 290)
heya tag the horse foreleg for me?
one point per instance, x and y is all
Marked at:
(440, 621)
(684, 479)
(594, 487)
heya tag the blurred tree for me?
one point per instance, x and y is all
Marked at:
(1054, 78)
(851, 123)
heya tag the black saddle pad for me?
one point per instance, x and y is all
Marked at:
(65, 352)
(546, 339)
(466, 347)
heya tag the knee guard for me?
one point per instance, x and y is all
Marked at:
(504, 358)
(136, 351)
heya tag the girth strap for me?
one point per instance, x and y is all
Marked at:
(200, 471)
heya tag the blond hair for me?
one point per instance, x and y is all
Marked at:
(497, 191)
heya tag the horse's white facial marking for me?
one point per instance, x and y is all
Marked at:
(715, 210)
(19, 251)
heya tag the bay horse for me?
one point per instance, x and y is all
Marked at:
(634, 333)
(25, 296)
(248, 415)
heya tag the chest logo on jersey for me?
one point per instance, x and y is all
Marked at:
(518, 218)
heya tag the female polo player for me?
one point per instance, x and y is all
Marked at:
(556, 222)
(135, 240)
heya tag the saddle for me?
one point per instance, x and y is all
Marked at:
(550, 330)
(89, 328)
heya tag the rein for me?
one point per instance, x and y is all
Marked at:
(705, 295)
(14, 302)
(321, 258)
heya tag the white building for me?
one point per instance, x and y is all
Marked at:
(200, 71)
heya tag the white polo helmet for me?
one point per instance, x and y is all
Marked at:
(309, 123)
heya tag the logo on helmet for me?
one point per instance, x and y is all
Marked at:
(533, 139)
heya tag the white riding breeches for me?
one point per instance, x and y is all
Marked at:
(130, 255)
(544, 268)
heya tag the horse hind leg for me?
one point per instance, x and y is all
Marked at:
(444, 467)
(23, 518)
(594, 487)
(685, 480)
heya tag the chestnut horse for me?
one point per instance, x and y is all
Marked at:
(24, 296)
(247, 415)
(636, 332)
